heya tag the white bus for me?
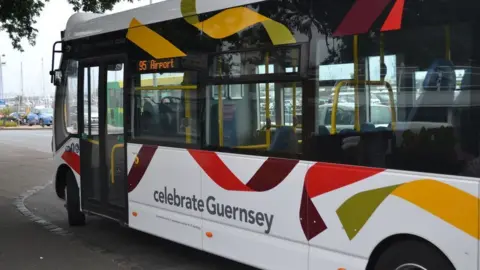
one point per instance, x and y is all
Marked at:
(176, 119)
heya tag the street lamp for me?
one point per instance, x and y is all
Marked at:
(1, 76)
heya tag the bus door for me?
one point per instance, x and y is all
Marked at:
(102, 143)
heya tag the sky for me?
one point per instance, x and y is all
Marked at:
(52, 21)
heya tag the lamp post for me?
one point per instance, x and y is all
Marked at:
(1, 76)
(20, 98)
(43, 87)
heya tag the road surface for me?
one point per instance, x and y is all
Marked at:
(102, 244)
(38, 140)
(26, 163)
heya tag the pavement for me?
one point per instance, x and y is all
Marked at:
(24, 244)
(34, 233)
(26, 128)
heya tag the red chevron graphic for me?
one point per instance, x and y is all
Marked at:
(145, 155)
(73, 160)
(320, 179)
(363, 14)
(394, 19)
(272, 172)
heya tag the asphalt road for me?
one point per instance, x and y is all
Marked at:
(23, 243)
(102, 243)
(37, 140)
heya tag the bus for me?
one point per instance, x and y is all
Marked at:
(204, 122)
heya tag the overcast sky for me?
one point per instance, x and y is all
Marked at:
(52, 20)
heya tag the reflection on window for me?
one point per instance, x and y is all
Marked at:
(280, 60)
(91, 109)
(292, 100)
(380, 115)
(249, 124)
(336, 72)
(115, 99)
(70, 105)
(421, 75)
(166, 108)
(419, 115)
(374, 68)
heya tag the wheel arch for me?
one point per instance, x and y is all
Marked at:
(61, 180)
(393, 239)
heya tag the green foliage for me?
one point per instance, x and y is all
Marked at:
(17, 17)
(98, 6)
(7, 118)
(8, 124)
(7, 111)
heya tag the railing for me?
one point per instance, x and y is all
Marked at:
(333, 128)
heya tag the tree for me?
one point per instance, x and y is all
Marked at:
(6, 112)
(18, 17)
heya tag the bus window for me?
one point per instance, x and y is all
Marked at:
(70, 105)
(292, 98)
(380, 114)
(250, 123)
(65, 113)
(91, 95)
(115, 99)
(409, 92)
(265, 114)
(279, 61)
(345, 116)
(166, 107)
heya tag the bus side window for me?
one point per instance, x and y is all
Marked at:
(166, 108)
(250, 123)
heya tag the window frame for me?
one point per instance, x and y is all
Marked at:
(60, 102)
(252, 79)
(135, 78)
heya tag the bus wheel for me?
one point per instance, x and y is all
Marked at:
(412, 255)
(75, 216)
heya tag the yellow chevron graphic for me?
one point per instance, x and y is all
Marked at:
(151, 42)
(449, 203)
(234, 20)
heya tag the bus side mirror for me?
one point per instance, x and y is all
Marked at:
(57, 77)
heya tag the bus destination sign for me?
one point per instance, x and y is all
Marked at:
(191, 62)
(156, 65)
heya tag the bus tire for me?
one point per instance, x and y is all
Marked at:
(75, 216)
(411, 253)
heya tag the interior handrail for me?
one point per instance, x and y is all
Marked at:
(333, 128)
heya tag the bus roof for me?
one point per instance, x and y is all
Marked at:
(82, 25)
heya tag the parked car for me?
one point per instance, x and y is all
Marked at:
(32, 119)
(93, 117)
(380, 115)
(21, 119)
(43, 117)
